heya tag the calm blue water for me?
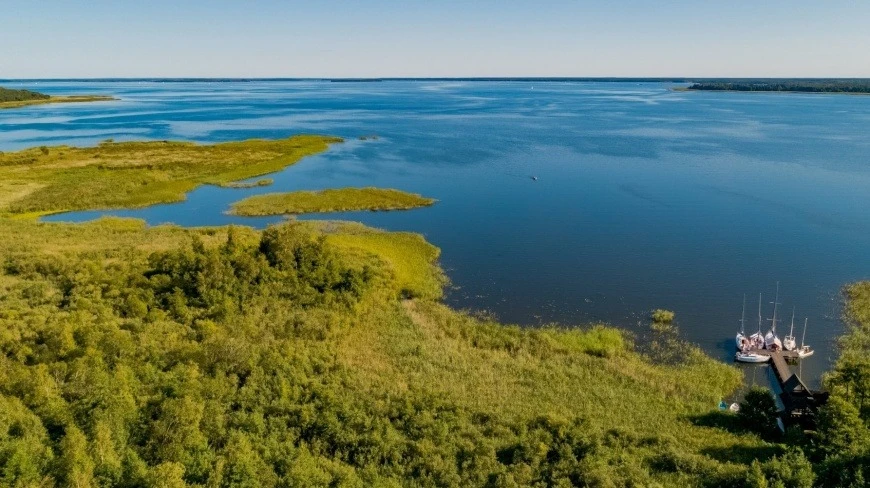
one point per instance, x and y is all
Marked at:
(645, 197)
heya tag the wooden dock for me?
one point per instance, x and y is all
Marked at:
(780, 367)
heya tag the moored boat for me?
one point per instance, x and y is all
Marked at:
(743, 343)
(751, 357)
(805, 351)
(771, 341)
(789, 343)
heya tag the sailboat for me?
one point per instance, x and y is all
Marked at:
(789, 344)
(754, 343)
(805, 351)
(756, 340)
(771, 341)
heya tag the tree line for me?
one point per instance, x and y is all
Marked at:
(10, 95)
(808, 86)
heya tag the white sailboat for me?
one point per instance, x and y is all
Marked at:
(771, 341)
(756, 340)
(789, 343)
(805, 351)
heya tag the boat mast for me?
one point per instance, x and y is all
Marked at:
(759, 313)
(775, 304)
(804, 336)
(743, 317)
(791, 332)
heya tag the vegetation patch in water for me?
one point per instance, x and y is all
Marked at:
(253, 184)
(331, 200)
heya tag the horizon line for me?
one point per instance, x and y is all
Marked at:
(650, 79)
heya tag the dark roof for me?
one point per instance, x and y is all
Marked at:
(794, 384)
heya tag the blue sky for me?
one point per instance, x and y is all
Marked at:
(221, 38)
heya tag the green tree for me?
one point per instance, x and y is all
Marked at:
(840, 428)
(758, 411)
(791, 470)
(75, 466)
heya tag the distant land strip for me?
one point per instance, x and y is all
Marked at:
(783, 85)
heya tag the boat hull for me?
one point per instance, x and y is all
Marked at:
(805, 352)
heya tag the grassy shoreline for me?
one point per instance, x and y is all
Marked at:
(329, 200)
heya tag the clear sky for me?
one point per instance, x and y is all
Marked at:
(374, 38)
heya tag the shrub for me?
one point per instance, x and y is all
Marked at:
(662, 316)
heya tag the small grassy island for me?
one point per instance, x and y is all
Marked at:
(785, 85)
(21, 98)
(320, 354)
(331, 200)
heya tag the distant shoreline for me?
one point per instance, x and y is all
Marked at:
(695, 90)
(848, 86)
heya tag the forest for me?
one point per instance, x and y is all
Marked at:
(786, 85)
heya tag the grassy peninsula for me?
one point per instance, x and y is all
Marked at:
(134, 174)
(21, 98)
(330, 200)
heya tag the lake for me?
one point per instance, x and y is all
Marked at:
(644, 198)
